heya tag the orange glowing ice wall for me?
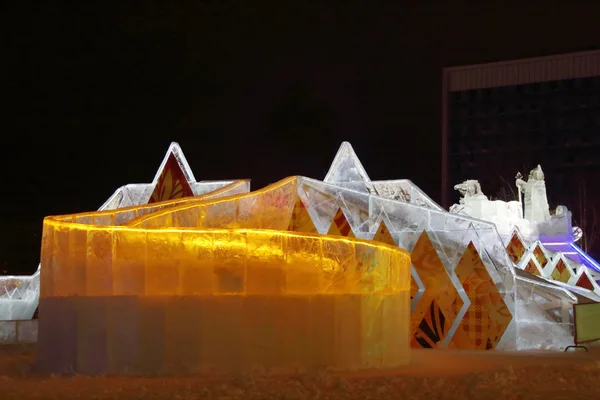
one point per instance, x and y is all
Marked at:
(167, 299)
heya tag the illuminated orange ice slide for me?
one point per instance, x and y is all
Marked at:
(218, 285)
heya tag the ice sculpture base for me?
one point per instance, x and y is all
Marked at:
(20, 331)
(224, 334)
(11, 309)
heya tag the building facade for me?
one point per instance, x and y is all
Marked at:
(502, 118)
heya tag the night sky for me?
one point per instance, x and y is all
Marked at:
(94, 94)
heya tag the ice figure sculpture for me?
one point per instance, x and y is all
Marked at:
(549, 263)
(536, 202)
(19, 295)
(173, 291)
(473, 203)
(554, 232)
(507, 215)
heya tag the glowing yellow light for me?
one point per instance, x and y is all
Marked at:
(180, 248)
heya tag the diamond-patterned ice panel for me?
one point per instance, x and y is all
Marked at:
(515, 248)
(487, 317)
(438, 287)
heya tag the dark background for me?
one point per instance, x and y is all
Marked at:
(95, 93)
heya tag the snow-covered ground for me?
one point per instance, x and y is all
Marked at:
(433, 374)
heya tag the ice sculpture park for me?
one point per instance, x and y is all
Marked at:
(348, 273)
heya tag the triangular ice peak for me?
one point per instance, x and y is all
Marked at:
(174, 179)
(175, 150)
(346, 167)
(172, 183)
(515, 248)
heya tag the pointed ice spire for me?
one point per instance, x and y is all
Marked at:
(539, 172)
(176, 151)
(346, 167)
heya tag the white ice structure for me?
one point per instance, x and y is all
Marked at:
(551, 260)
(505, 215)
(540, 321)
(19, 295)
(529, 217)
(536, 201)
(541, 307)
(530, 213)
